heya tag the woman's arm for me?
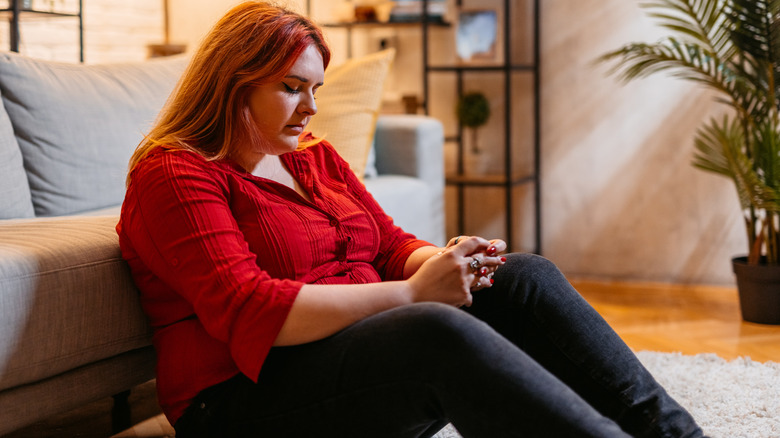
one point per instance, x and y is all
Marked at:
(322, 310)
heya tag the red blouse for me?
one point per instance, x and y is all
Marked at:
(219, 256)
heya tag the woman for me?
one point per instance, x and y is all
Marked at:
(286, 303)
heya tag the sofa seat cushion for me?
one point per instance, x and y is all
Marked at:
(408, 201)
(77, 125)
(66, 297)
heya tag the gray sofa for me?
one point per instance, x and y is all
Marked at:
(71, 328)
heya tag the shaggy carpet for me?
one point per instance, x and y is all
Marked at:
(729, 399)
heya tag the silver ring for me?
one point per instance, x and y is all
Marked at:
(474, 263)
(456, 240)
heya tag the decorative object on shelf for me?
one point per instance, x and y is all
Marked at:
(477, 35)
(27, 5)
(730, 46)
(410, 103)
(406, 11)
(166, 48)
(473, 111)
(367, 11)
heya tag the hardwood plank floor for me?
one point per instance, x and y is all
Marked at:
(688, 319)
(658, 317)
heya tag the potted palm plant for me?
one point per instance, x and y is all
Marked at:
(732, 47)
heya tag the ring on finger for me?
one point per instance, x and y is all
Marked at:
(474, 263)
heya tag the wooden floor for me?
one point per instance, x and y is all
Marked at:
(687, 319)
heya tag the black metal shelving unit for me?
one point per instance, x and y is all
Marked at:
(15, 12)
(509, 179)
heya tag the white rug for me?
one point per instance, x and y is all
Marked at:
(729, 399)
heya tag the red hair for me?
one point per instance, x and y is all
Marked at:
(255, 42)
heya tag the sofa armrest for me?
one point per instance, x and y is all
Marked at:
(410, 145)
(68, 298)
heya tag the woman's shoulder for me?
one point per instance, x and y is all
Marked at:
(173, 165)
(171, 159)
(171, 154)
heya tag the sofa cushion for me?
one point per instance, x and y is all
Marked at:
(77, 125)
(15, 201)
(348, 105)
(66, 297)
(408, 201)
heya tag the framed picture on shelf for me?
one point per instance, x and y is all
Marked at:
(477, 38)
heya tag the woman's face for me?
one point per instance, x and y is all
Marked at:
(282, 109)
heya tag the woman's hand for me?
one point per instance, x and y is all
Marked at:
(490, 259)
(487, 261)
(465, 265)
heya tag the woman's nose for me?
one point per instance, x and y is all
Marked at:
(308, 106)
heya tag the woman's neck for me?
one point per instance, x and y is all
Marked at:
(271, 167)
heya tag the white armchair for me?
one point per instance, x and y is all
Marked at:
(410, 174)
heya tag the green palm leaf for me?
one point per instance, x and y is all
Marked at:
(703, 21)
(717, 150)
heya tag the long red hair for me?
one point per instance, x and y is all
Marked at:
(255, 42)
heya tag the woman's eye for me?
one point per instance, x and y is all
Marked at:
(289, 89)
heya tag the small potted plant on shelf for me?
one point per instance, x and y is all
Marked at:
(473, 111)
(732, 47)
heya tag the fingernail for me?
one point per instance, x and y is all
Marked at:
(492, 281)
(483, 271)
(491, 251)
(503, 259)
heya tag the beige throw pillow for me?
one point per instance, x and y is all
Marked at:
(348, 106)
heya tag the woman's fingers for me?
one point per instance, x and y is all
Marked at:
(470, 245)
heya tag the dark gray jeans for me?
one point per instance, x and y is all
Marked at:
(529, 358)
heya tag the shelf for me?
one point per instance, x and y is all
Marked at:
(506, 177)
(386, 24)
(8, 12)
(488, 180)
(480, 68)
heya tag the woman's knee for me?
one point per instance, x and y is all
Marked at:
(529, 268)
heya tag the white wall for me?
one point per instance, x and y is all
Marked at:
(620, 198)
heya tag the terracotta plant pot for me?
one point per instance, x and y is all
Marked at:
(759, 291)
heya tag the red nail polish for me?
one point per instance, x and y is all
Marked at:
(491, 281)
(491, 251)
(503, 259)
(483, 271)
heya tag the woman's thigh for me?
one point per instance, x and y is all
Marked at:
(405, 373)
(367, 380)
